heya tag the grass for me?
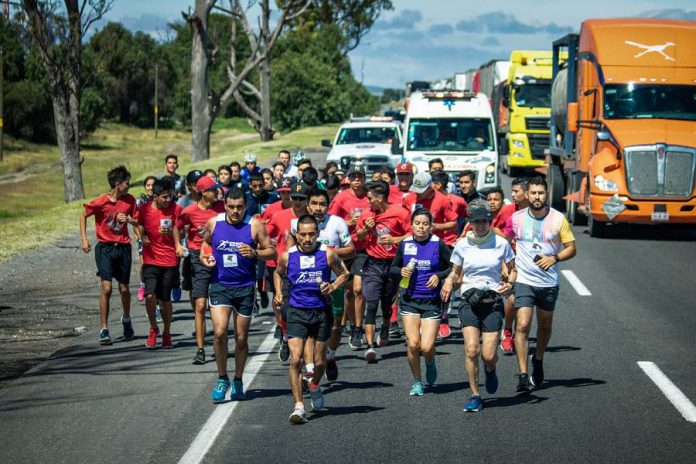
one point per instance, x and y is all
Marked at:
(32, 210)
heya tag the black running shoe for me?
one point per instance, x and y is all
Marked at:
(278, 332)
(331, 370)
(264, 300)
(284, 351)
(128, 331)
(524, 385)
(394, 331)
(199, 359)
(537, 371)
(384, 335)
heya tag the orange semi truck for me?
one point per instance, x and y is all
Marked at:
(623, 128)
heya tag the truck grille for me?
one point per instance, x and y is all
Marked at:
(660, 171)
(371, 163)
(537, 122)
(537, 144)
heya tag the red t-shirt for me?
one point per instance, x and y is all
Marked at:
(459, 206)
(440, 207)
(503, 220)
(273, 208)
(395, 221)
(396, 196)
(346, 205)
(278, 229)
(104, 210)
(195, 217)
(159, 225)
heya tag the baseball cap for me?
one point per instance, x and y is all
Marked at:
(206, 183)
(250, 158)
(404, 168)
(345, 181)
(300, 189)
(355, 167)
(193, 176)
(479, 210)
(421, 182)
(286, 184)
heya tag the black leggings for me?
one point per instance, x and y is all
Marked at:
(378, 287)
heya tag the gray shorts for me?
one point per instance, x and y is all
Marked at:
(527, 296)
(200, 276)
(487, 317)
(425, 308)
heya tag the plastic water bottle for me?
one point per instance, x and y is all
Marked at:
(405, 281)
(185, 253)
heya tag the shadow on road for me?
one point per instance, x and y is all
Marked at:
(338, 386)
(570, 383)
(343, 410)
(512, 401)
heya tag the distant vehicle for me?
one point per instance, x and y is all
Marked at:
(454, 126)
(622, 146)
(367, 140)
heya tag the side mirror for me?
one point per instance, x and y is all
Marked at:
(603, 136)
(396, 148)
(572, 117)
(326, 143)
(506, 96)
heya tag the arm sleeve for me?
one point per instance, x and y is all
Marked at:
(445, 265)
(397, 262)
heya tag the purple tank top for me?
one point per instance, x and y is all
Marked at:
(303, 271)
(231, 268)
(427, 256)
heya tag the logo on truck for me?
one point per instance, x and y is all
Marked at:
(652, 48)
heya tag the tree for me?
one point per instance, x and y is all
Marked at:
(58, 35)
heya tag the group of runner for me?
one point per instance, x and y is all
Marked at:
(332, 251)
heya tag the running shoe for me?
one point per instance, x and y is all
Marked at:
(474, 404)
(158, 314)
(237, 393)
(284, 351)
(524, 385)
(507, 343)
(417, 389)
(278, 332)
(199, 359)
(356, 340)
(384, 335)
(317, 397)
(298, 416)
(176, 294)
(141, 293)
(370, 354)
(166, 340)
(491, 381)
(128, 331)
(220, 390)
(431, 372)
(444, 331)
(347, 330)
(331, 370)
(152, 338)
(537, 371)
(104, 337)
(394, 331)
(264, 300)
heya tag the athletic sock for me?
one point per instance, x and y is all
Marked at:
(309, 367)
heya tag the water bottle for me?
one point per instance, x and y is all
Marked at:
(405, 281)
(185, 253)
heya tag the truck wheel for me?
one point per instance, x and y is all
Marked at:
(597, 228)
(574, 217)
(556, 188)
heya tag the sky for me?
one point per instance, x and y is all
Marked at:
(433, 39)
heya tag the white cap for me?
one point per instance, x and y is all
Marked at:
(250, 158)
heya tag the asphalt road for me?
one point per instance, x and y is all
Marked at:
(123, 403)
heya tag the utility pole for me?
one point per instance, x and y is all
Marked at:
(2, 156)
(156, 97)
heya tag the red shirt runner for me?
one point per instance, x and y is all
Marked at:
(108, 228)
(273, 208)
(278, 229)
(347, 205)
(395, 221)
(440, 207)
(159, 225)
(396, 196)
(195, 217)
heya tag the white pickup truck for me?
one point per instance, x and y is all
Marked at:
(368, 140)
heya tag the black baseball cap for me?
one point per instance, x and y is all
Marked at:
(193, 176)
(300, 189)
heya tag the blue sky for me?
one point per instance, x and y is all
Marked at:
(425, 40)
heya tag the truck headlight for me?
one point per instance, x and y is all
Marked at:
(517, 155)
(490, 174)
(518, 143)
(602, 183)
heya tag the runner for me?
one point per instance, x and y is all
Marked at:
(421, 264)
(502, 217)
(141, 200)
(194, 218)
(543, 238)
(467, 186)
(112, 211)
(161, 246)
(237, 241)
(333, 233)
(308, 267)
(349, 204)
(479, 259)
(268, 184)
(249, 168)
(278, 173)
(290, 169)
(404, 175)
(381, 227)
(171, 164)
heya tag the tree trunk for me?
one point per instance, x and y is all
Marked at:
(201, 117)
(68, 135)
(266, 131)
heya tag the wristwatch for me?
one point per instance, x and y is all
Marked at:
(557, 258)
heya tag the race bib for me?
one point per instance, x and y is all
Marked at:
(410, 249)
(229, 260)
(165, 226)
(306, 262)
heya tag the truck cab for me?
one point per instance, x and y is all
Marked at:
(456, 127)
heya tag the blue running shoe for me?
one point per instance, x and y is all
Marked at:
(317, 398)
(237, 393)
(176, 294)
(417, 389)
(431, 372)
(220, 390)
(104, 337)
(491, 381)
(128, 331)
(474, 405)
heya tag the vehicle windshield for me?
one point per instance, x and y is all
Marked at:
(450, 134)
(533, 95)
(351, 135)
(650, 101)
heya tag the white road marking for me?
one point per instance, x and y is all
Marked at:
(576, 283)
(673, 394)
(217, 420)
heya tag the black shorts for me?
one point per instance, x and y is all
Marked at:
(309, 323)
(200, 276)
(425, 308)
(159, 281)
(356, 265)
(113, 261)
(528, 296)
(241, 299)
(377, 280)
(487, 317)
(186, 273)
(269, 285)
